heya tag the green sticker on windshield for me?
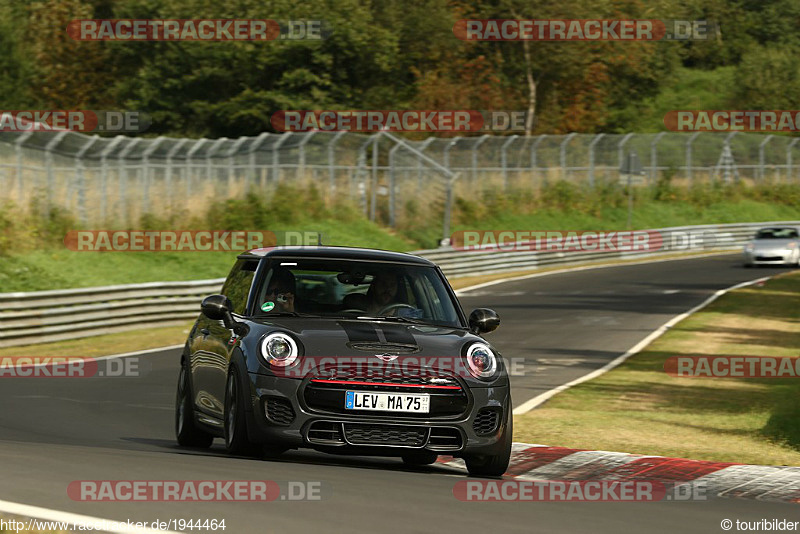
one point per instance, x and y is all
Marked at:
(267, 306)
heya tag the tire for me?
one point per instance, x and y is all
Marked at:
(186, 430)
(235, 422)
(420, 458)
(493, 466)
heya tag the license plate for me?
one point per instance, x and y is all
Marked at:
(387, 402)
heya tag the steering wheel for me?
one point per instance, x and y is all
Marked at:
(393, 307)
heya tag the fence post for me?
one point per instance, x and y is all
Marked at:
(252, 159)
(654, 157)
(391, 186)
(276, 156)
(189, 155)
(789, 158)
(104, 174)
(18, 151)
(422, 148)
(48, 158)
(504, 160)
(216, 145)
(301, 156)
(331, 162)
(761, 147)
(81, 179)
(563, 155)
(374, 190)
(689, 156)
(146, 168)
(446, 152)
(594, 142)
(534, 154)
(230, 155)
(621, 150)
(123, 177)
(475, 147)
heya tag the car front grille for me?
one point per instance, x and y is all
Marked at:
(486, 421)
(388, 376)
(394, 435)
(278, 411)
(769, 258)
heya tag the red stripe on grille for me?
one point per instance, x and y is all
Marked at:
(357, 383)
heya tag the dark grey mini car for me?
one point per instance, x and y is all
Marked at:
(349, 351)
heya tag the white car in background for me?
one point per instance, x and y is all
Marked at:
(773, 246)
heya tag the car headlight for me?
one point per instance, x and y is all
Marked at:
(279, 349)
(481, 361)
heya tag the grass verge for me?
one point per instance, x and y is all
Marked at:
(638, 408)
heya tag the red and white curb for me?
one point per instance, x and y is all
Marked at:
(721, 479)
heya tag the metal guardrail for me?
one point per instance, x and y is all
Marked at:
(50, 316)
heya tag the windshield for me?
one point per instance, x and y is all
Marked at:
(776, 233)
(352, 289)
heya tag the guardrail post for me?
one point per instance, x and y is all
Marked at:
(654, 157)
(689, 142)
(104, 174)
(594, 142)
(504, 160)
(789, 158)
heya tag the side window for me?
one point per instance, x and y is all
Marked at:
(237, 286)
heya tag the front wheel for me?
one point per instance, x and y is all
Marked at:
(493, 466)
(186, 430)
(236, 440)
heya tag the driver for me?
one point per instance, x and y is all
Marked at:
(382, 292)
(280, 291)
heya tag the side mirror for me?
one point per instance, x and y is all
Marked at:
(219, 308)
(483, 320)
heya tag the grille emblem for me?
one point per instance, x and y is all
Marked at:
(387, 357)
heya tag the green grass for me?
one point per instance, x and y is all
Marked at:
(33, 257)
(638, 408)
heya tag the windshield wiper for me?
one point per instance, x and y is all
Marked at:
(288, 314)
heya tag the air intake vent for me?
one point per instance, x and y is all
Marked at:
(325, 433)
(394, 348)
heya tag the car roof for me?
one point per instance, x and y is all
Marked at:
(340, 253)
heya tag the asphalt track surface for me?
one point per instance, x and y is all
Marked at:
(57, 430)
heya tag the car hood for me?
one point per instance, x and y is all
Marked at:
(771, 244)
(365, 340)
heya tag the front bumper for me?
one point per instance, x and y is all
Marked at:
(469, 432)
(770, 257)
